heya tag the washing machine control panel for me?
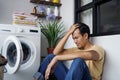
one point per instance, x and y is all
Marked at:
(30, 30)
(19, 29)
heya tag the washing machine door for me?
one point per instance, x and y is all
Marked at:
(12, 50)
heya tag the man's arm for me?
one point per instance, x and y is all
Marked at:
(86, 55)
(60, 46)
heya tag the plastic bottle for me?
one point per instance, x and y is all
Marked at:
(35, 10)
(48, 11)
(56, 12)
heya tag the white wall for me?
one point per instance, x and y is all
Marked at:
(67, 13)
(9, 6)
(111, 45)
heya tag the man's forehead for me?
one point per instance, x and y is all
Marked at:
(76, 31)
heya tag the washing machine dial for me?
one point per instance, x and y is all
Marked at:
(20, 30)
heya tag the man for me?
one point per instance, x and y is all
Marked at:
(87, 58)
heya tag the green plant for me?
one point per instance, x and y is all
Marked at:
(53, 31)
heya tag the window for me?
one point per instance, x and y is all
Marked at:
(101, 15)
(84, 2)
(86, 17)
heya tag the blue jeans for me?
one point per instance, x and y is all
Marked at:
(77, 71)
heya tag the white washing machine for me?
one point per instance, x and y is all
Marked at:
(21, 46)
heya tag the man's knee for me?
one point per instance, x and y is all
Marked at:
(50, 56)
(79, 62)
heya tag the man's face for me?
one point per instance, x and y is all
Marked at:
(79, 40)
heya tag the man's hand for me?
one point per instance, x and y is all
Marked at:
(50, 68)
(47, 73)
(72, 28)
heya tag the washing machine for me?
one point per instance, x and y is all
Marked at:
(21, 46)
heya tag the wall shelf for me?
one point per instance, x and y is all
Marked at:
(46, 3)
(43, 15)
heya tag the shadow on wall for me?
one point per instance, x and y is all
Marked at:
(44, 46)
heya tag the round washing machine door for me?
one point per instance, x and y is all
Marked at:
(12, 50)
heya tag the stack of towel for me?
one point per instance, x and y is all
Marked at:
(24, 19)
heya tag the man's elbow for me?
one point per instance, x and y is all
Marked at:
(94, 55)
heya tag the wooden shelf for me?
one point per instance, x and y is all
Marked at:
(46, 3)
(43, 15)
(39, 15)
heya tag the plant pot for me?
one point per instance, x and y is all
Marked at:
(50, 50)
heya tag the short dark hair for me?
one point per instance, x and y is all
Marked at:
(83, 29)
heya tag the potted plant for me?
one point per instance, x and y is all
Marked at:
(53, 31)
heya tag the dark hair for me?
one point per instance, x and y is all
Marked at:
(84, 29)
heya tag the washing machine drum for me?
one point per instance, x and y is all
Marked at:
(12, 50)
